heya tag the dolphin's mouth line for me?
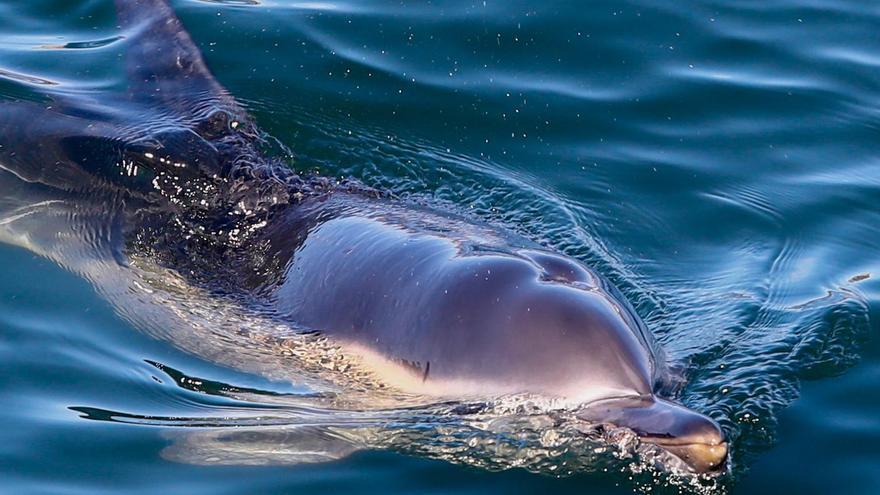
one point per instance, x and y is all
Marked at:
(635, 400)
(674, 442)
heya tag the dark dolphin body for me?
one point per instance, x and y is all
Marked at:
(438, 304)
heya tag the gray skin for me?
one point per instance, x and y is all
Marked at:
(441, 305)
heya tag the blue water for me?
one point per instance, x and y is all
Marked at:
(717, 160)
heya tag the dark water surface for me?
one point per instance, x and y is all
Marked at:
(717, 160)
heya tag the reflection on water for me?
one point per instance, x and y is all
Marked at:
(715, 160)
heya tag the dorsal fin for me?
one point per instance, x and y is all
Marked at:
(166, 69)
(184, 120)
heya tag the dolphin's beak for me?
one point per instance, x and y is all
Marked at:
(695, 439)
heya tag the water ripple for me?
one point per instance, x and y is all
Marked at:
(717, 160)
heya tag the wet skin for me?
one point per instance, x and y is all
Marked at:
(474, 311)
(441, 305)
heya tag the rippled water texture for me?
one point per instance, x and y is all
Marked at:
(716, 160)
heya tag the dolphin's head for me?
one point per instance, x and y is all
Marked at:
(552, 326)
(578, 337)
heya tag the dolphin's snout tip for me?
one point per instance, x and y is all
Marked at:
(700, 456)
(706, 458)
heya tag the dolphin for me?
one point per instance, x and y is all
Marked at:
(171, 167)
